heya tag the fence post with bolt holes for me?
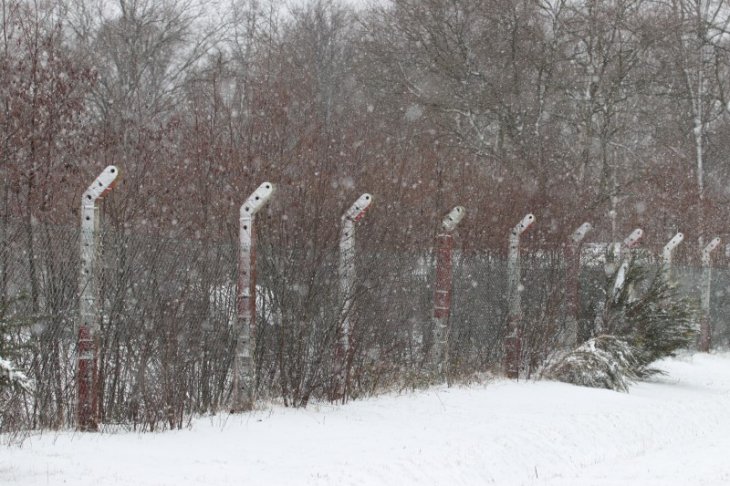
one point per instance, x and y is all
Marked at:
(705, 325)
(668, 252)
(244, 381)
(443, 285)
(629, 243)
(572, 281)
(88, 329)
(347, 272)
(513, 341)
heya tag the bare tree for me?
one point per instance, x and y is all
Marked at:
(698, 49)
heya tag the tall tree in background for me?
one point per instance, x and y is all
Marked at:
(142, 51)
(609, 42)
(698, 48)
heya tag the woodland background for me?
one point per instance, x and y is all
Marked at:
(613, 112)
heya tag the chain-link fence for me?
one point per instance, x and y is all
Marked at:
(168, 321)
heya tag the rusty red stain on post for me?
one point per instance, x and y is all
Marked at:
(442, 292)
(88, 393)
(86, 409)
(244, 281)
(513, 340)
(252, 293)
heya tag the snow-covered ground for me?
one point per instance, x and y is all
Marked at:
(672, 431)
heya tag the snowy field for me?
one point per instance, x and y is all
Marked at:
(672, 431)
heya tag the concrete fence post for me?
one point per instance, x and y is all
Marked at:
(347, 273)
(706, 286)
(668, 253)
(624, 257)
(573, 266)
(89, 313)
(443, 286)
(513, 341)
(244, 382)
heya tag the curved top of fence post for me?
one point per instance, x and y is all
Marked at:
(101, 185)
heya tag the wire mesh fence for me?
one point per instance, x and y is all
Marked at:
(168, 321)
